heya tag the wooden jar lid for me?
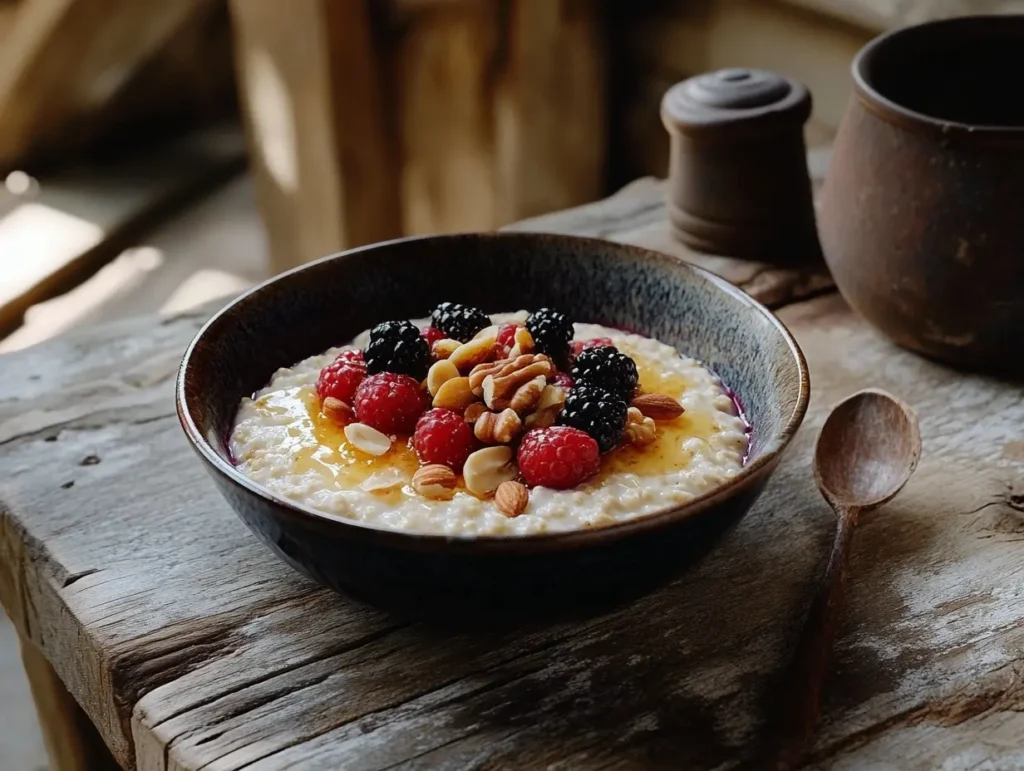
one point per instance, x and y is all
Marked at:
(738, 181)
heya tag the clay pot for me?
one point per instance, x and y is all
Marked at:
(921, 217)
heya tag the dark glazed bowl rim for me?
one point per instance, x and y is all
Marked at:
(535, 542)
(897, 114)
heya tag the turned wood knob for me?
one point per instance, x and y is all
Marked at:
(738, 181)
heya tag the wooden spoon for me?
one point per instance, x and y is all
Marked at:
(866, 452)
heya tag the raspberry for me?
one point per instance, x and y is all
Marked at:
(505, 340)
(607, 367)
(442, 436)
(563, 380)
(389, 402)
(432, 335)
(352, 356)
(578, 346)
(341, 377)
(600, 414)
(459, 322)
(396, 346)
(558, 457)
(552, 332)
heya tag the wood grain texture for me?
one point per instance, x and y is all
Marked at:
(189, 645)
(62, 59)
(314, 102)
(72, 743)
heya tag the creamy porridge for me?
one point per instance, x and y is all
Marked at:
(284, 440)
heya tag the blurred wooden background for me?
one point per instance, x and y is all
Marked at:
(362, 120)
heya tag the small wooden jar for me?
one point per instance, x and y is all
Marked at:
(738, 181)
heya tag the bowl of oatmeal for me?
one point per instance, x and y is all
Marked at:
(501, 420)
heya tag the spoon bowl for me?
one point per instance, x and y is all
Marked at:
(867, 450)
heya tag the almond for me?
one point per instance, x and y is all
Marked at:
(440, 373)
(336, 410)
(454, 394)
(368, 439)
(485, 469)
(434, 481)
(511, 498)
(658, 406)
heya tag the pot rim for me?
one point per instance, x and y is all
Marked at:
(905, 117)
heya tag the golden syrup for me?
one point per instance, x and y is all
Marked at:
(666, 453)
(323, 448)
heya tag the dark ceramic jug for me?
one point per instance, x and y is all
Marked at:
(922, 213)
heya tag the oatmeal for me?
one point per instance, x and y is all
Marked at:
(676, 436)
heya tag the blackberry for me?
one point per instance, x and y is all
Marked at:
(607, 367)
(397, 346)
(459, 322)
(600, 414)
(551, 332)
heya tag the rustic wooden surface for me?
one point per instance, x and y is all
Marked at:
(190, 646)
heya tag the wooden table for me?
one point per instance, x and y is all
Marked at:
(188, 645)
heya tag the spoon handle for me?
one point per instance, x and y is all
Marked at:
(810, 663)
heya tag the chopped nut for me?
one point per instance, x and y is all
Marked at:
(336, 410)
(640, 429)
(547, 409)
(473, 412)
(434, 481)
(528, 394)
(454, 395)
(511, 498)
(368, 439)
(485, 469)
(658, 406)
(500, 368)
(487, 332)
(440, 373)
(501, 388)
(443, 349)
(523, 343)
(476, 351)
(498, 428)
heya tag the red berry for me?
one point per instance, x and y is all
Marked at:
(341, 377)
(577, 346)
(432, 335)
(563, 380)
(505, 339)
(389, 402)
(558, 457)
(442, 436)
(352, 356)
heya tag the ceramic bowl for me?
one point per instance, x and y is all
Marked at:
(325, 303)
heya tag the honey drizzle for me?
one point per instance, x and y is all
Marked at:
(322, 448)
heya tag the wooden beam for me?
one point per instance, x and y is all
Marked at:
(313, 97)
(63, 59)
